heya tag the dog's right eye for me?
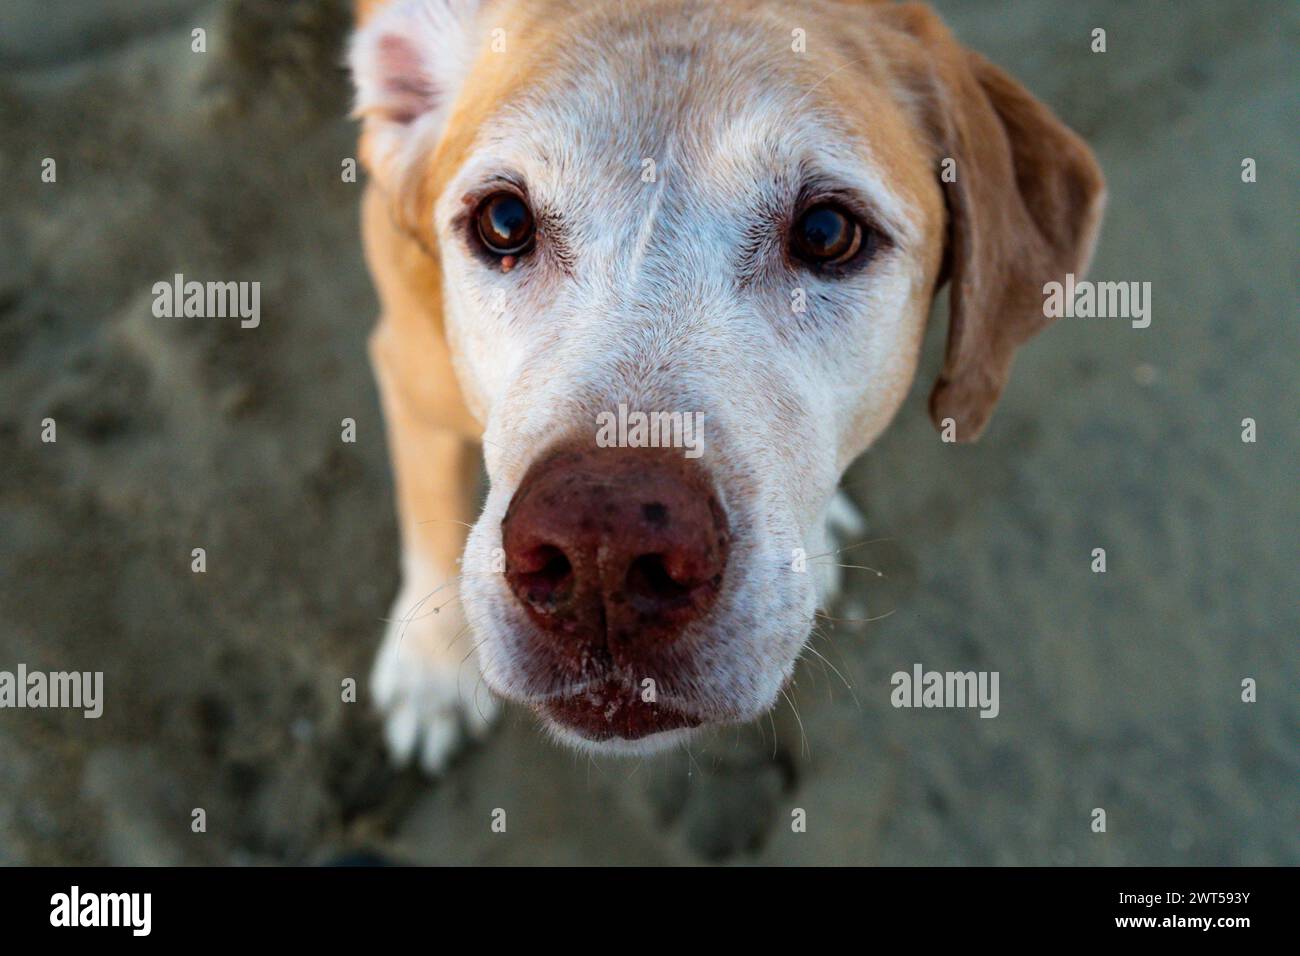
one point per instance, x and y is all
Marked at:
(505, 224)
(827, 235)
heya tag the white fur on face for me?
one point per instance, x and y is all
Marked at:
(676, 295)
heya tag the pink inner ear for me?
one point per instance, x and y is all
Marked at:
(408, 90)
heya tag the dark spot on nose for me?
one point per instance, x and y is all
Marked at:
(656, 514)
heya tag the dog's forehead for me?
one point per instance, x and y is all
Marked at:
(727, 108)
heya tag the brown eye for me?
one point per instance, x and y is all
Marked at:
(505, 224)
(826, 235)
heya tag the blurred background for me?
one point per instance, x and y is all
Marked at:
(1119, 690)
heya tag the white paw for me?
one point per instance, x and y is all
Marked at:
(845, 527)
(843, 516)
(426, 681)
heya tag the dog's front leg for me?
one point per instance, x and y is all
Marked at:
(426, 680)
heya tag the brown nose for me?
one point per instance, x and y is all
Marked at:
(615, 549)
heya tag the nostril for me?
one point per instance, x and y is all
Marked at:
(652, 588)
(544, 577)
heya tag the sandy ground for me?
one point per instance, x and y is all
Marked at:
(1119, 691)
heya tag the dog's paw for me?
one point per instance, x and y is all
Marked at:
(426, 685)
(845, 526)
(843, 517)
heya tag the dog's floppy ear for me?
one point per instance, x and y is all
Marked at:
(408, 60)
(1024, 209)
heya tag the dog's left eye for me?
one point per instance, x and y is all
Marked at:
(505, 224)
(827, 235)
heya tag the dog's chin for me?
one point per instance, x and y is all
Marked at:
(645, 746)
(613, 718)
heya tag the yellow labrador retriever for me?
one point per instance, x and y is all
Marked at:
(665, 266)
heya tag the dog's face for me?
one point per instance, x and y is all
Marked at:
(730, 213)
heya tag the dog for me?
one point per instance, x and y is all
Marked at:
(733, 214)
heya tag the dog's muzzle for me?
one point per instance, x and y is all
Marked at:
(614, 553)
